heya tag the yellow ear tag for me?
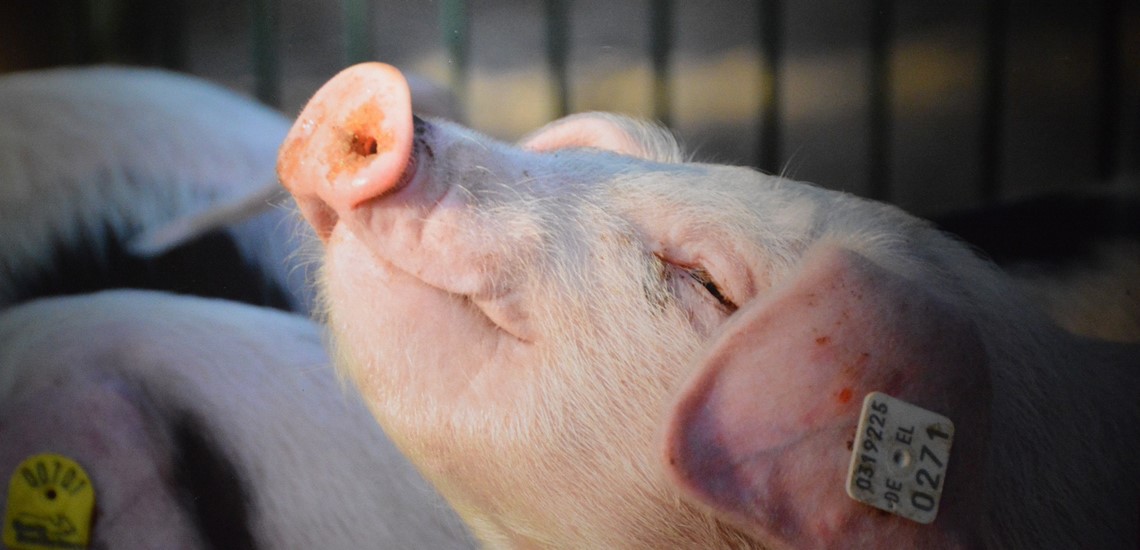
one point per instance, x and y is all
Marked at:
(50, 500)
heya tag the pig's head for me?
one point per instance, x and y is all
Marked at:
(585, 341)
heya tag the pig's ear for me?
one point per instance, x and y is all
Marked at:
(762, 433)
(608, 132)
(159, 240)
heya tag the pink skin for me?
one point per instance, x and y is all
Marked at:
(366, 150)
(522, 321)
(832, 323)
(419, 236)
(465, 328)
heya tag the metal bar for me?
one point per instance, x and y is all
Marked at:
(455, 24)
(557, 28)
(266, 54)
(358, 45)
(172, 44)
(993, 101)
(1110, 48)
(101, 41)
(879, 172)
(660, 46)
(89, 33)
(771, 38)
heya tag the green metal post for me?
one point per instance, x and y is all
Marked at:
(266, 54)
(771, 40)
(879, 173)
(993, 101)
(455, 24)
(661, 44)
(358, 31)
(557, 26)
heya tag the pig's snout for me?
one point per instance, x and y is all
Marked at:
(350, 144)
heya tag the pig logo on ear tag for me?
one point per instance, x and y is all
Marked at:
(899, 458)
(50, 500)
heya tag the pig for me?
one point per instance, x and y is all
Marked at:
(94, 159)
(1077, 255)
(205, 423)
(180, 409)
(585, 341)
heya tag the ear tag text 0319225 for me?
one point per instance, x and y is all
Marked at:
(899, 457)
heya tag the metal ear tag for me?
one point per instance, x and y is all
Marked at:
(899, 458)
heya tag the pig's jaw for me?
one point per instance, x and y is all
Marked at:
(490, 419)
(451, 347)
(429, 229)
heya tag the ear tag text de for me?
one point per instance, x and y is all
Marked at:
(50, 501)
(899, 458)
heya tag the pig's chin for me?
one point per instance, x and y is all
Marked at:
(403, 339)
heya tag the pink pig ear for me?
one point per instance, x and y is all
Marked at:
(762, 434)
(606, 132)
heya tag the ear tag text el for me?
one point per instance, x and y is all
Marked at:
(899, 457)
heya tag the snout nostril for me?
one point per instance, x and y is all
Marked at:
(363, 145)
(352, 143)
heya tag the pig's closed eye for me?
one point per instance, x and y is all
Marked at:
(694, 285)
(701, 276)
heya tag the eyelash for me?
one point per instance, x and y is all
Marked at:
(701, 276)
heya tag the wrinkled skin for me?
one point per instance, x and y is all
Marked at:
(584, 341)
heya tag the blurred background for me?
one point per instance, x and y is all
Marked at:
(934, 105)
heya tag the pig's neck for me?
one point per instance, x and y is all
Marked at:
(1064, 441)
(629, 515)
(543, 497)
(691, 530)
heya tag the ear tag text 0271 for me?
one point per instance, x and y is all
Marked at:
(899, 457)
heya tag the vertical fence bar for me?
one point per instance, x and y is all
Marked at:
(90, 32)
(172, 43)
(771, 15)
(102, 41)
(1110, 47)
(660, 46)
(993, 101)
(879, 172)
(456, 24)
(357, 31)
(266, 54)
(557, 26)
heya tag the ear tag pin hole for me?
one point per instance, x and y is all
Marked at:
(50, 501)
(899, 457)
